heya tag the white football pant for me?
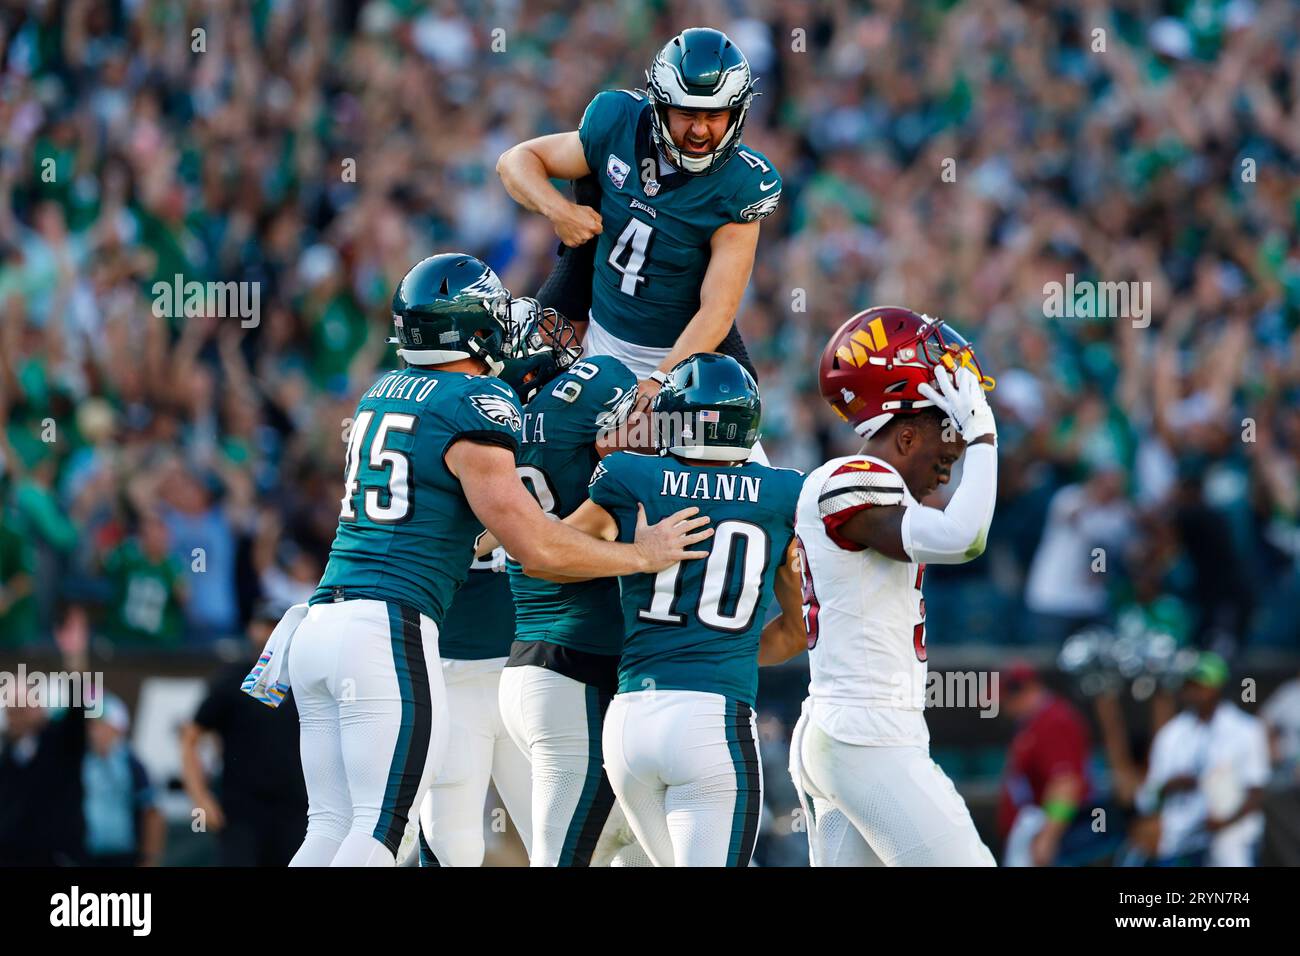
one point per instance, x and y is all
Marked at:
(479, 750)
(879, 806)
(685, 768)
(557, 722)
(372, 712)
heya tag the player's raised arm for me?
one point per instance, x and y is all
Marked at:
(784, 637)
(499, 499)
(526, 172)
(915, 433)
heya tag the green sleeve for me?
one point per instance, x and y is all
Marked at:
(608, 486)
(760, 189)
(45, 517)
(604, 113)
(488, 412)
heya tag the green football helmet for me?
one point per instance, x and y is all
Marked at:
(699, 69)
(709, 409)
(449, 307)
(542, 345)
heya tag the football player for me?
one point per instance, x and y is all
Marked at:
(430, 462)
(679, 741)
(563, 665)
(677, 216)
(474, 642)
(860, 758)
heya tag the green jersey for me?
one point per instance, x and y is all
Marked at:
(146, 608)
(406, 533)
(657, 223)
(17, 560)
(480, 625)
(696, 625)
(556, 459)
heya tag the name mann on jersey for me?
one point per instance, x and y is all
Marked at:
(678, 484)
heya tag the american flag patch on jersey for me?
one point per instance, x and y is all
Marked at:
(710, 415)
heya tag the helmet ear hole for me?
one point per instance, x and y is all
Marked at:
(444, 289)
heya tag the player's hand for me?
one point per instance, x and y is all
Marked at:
(646, 390)
(214, 818)
(664, 544)
(962, 398)
(575, 224)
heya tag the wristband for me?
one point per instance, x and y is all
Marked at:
(1060, 811)
(658, 376)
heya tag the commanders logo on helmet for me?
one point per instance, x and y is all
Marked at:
(875, 363)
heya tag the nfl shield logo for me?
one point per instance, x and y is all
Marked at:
(617, 171)
(652, 187)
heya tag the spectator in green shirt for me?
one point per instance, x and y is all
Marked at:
(148, 588)
(17, 614)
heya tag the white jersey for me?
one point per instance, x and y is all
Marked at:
(864, 612)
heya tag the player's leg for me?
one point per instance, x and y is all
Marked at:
(511, 769)
(393, 726)
(715, 785)
(954, 841)
(617, 845)
(732, 344)
(898, 799)
(329, 804)
(833, 840)
(641, 360)
(633, 747)
(451, 816)
(559, 720)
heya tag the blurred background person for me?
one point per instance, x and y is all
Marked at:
(123, 824)
(42, 750)
(1281, 716)
(261, 814)
(1047, 802)
(1209, 765)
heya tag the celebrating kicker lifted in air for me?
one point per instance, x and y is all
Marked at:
(677, 203)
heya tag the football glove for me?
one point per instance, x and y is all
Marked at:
(964, 401)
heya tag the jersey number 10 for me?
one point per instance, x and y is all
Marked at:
(715, 592)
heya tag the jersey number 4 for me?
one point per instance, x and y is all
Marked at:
(634, 241)
(393, 464)
(722, 606)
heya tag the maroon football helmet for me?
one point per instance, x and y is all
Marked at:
(873, 366)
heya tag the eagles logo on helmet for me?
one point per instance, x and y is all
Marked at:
(874, 364)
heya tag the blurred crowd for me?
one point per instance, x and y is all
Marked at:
(164, 474)
(167, 472)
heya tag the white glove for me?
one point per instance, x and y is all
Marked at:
(964, 401)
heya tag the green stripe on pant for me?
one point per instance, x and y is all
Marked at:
(749, 795)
